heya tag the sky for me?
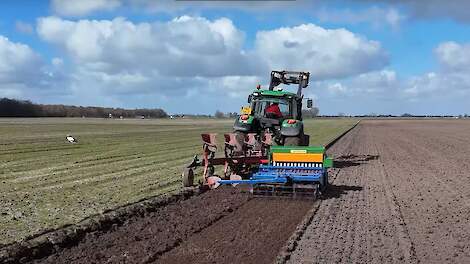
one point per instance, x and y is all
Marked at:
(364, 56)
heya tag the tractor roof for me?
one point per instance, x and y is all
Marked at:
(273, 93)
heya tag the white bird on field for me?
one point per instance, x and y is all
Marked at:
(71, 139)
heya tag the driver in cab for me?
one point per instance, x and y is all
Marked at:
(273, 110)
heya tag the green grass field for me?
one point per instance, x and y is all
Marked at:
(45, 182)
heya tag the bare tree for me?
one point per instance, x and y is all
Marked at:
(219, 114)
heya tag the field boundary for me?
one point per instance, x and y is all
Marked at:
(333, 141)
(291, 244)
(51, 241)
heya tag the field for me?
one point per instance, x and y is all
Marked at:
(408, 198)
(399, 193)
(47, 182)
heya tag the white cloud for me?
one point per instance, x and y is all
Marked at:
(24, 74)
(195, 58)
(18, 62)
(453, 78)
(118, 62)
(380, 82)
(376, 85)
(83, 7)
(442, 85)
(184, 46)
(337, 88)
(453, 56)
(326, 53)
(195, 46)
(443, 91)
(187, 56)
(233, 86)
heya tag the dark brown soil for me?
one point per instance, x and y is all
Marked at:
(222, 225)
(144, 239)
(253, 234)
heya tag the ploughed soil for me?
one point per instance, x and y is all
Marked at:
(253, 234)
(406, 196)
(219, 226)
(400, 193)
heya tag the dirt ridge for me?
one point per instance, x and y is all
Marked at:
(53, 240)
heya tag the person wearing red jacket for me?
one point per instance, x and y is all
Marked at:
(274, 110)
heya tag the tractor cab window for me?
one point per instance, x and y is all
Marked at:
(260, 105)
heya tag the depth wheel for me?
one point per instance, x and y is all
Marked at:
(240, 137)
(188, 177)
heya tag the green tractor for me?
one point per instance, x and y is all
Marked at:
(284, 125)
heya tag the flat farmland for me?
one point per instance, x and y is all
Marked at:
(46, 182)
(399, 193)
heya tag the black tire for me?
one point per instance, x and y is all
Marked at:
(210, 171)
(292, 141)
(188, 177)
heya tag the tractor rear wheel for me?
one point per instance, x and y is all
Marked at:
(292, 141)
(188, 177)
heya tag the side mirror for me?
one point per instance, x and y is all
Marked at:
(304, 80)
(309, 103)
(250, 98)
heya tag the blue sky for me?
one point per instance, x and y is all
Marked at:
(196, 57)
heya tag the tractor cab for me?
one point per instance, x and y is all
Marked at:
(286, 125)
(286, 102)
(264, 100)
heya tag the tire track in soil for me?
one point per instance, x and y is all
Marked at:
(433, 200)
(358, 221)
(400, 207)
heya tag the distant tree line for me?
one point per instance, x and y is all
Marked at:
(220, 114)
(310, 113)
(20, 108)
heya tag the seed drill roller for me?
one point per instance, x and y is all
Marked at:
(269, 153)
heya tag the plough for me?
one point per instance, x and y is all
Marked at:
(266, 169)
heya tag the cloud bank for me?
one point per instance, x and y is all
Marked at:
(194, 58)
